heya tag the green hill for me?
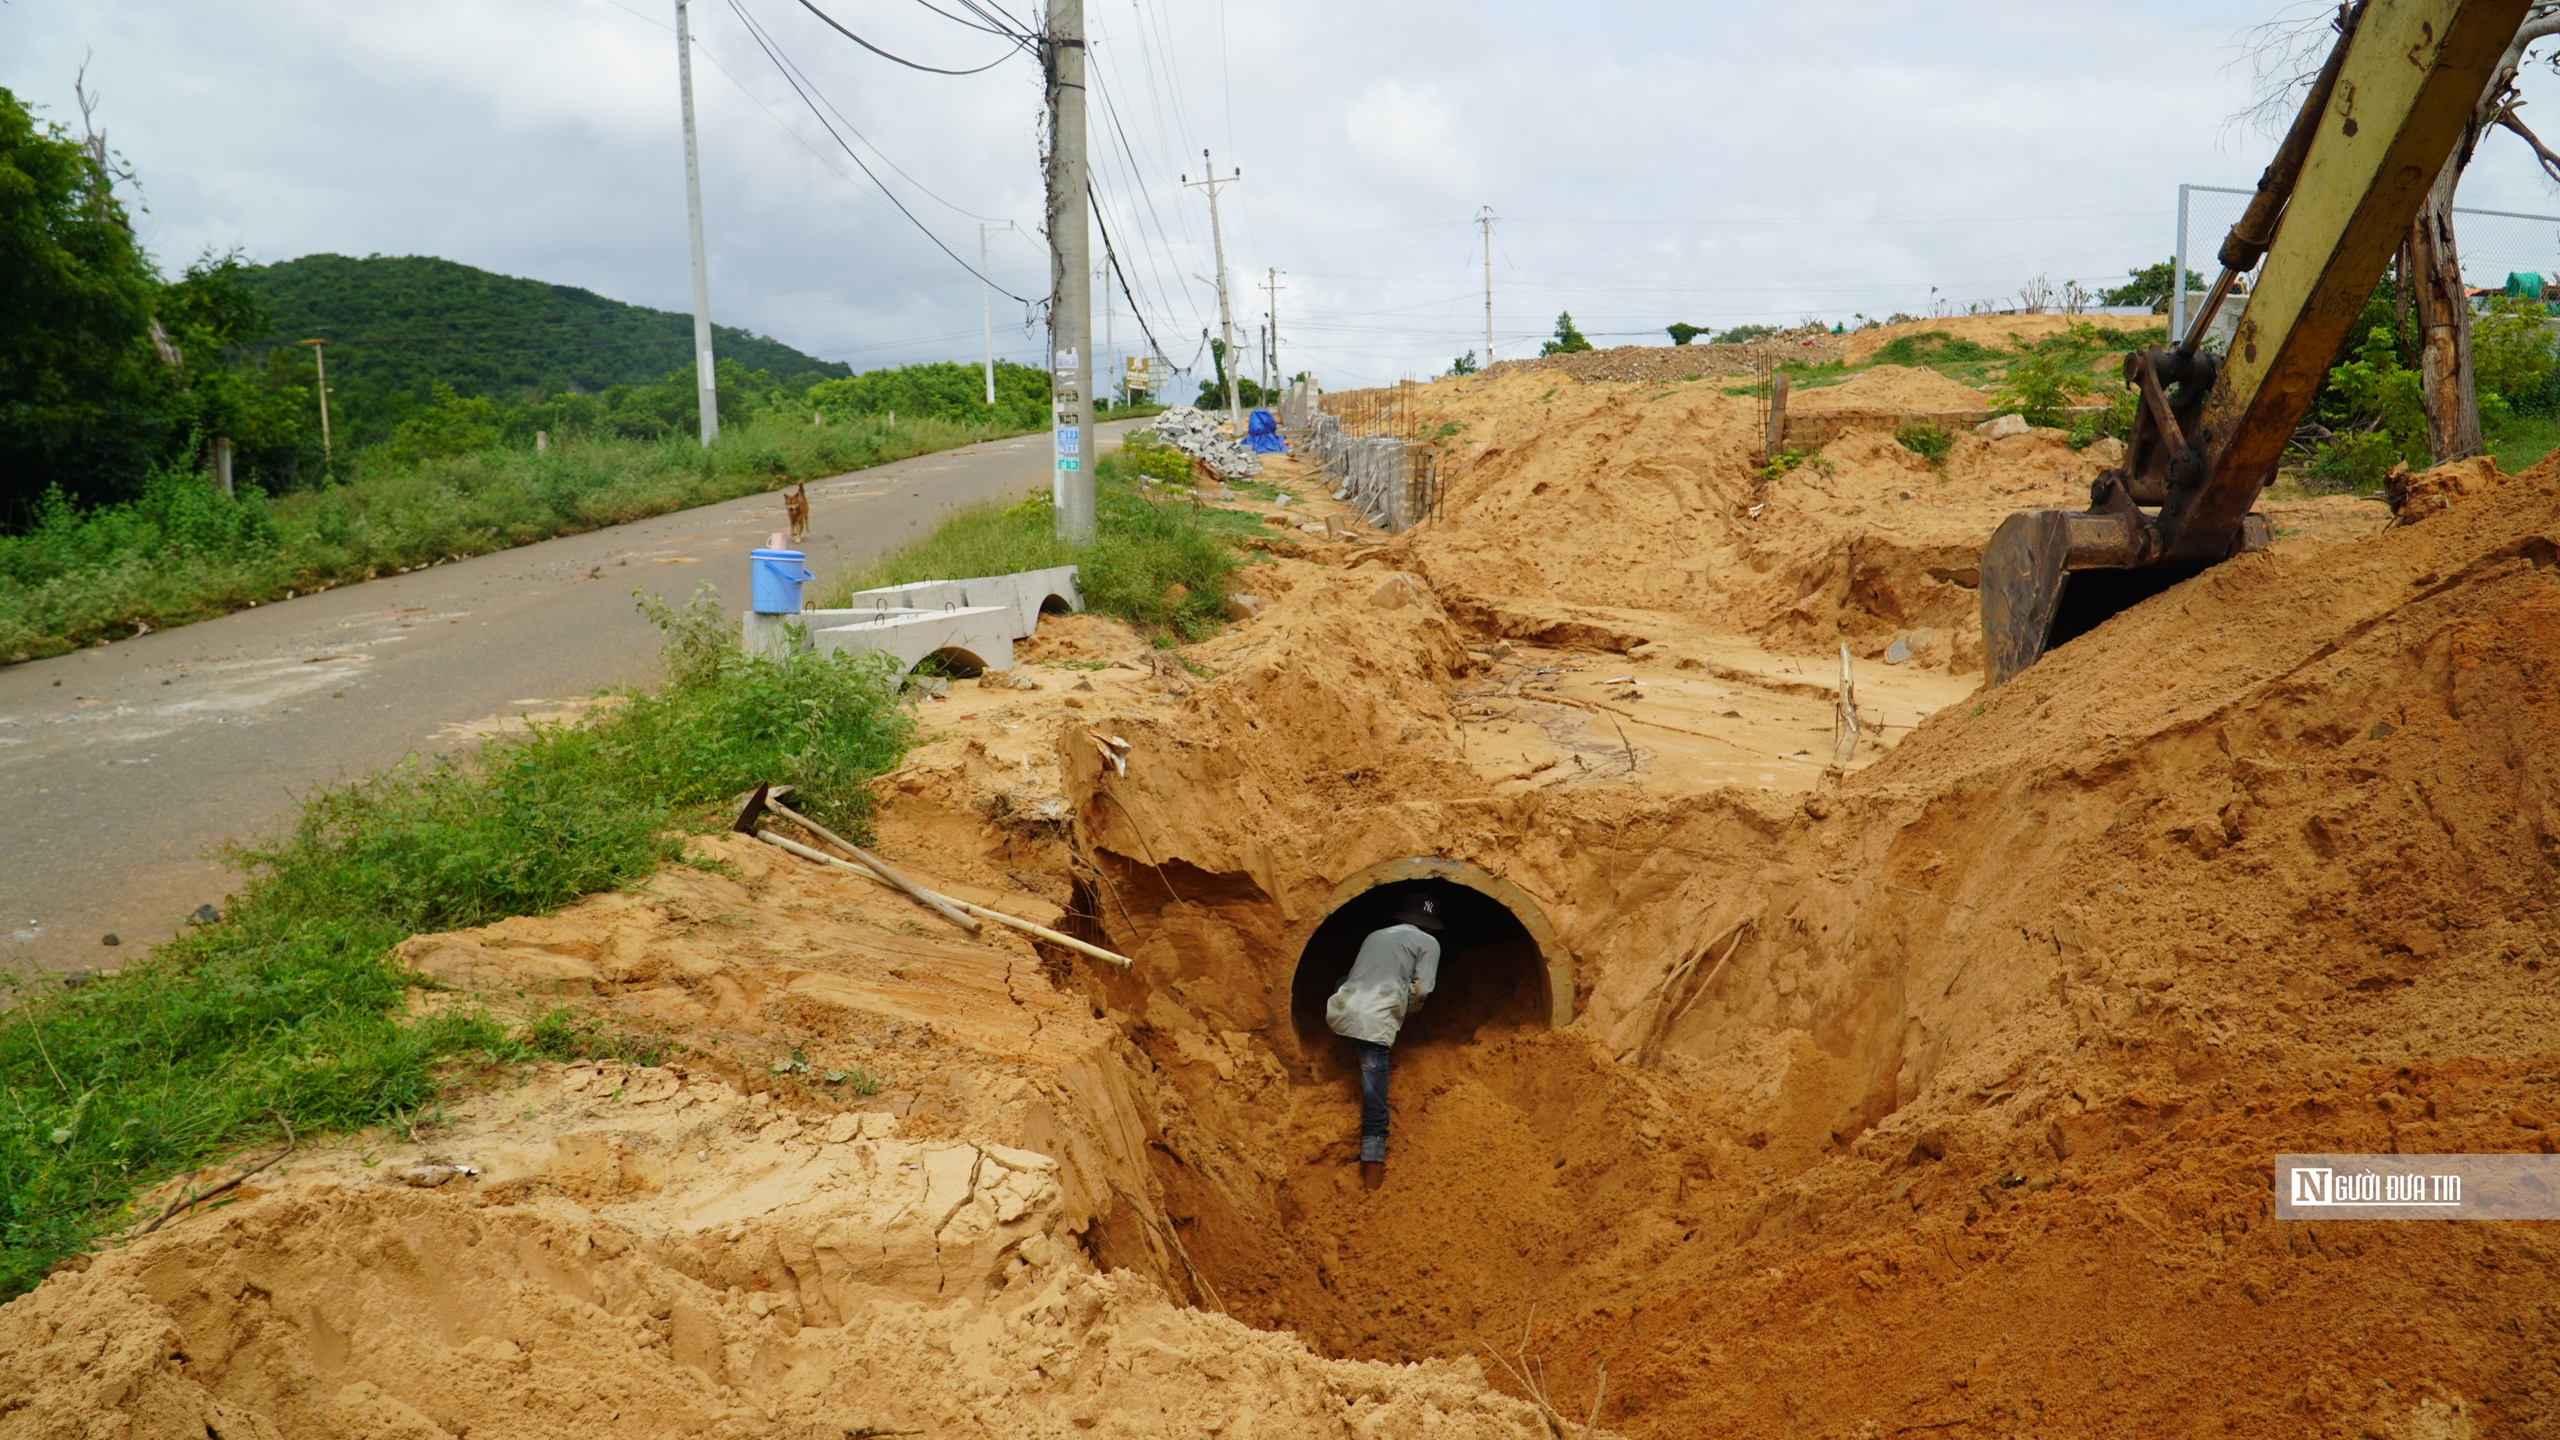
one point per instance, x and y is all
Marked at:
(399, 324)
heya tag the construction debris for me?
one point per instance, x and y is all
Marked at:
(1196, 435)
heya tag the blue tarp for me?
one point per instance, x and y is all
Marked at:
(1262, 434)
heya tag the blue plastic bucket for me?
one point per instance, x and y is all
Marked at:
(778, 576)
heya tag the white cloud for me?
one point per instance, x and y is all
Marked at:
(1650, 161)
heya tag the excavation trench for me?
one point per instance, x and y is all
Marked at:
(1513, 1145)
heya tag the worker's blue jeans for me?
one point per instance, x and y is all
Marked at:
(1373, 1099)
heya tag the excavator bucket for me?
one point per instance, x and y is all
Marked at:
(2033, 600)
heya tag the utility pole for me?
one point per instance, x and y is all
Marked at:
(1271, 287)
(705, 379)
(1070, 277)
(1106, 391)
(1226, 319)
(1484, 222)
(986, 305)
(328, 457)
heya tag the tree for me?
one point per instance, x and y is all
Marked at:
(1682, 334)
(1568, 340)
(81, 385)
(2287, 54)
(1464, 364)
(2148, 286)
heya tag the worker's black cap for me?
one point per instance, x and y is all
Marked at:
(1421, 910)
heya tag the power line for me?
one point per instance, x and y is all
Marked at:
(885, 55)
(1112, 253)
(971, 24)
(788, 78)
(885, 157)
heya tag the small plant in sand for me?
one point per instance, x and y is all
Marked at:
(2044, 382)
(1930, 442)
(1791, 458)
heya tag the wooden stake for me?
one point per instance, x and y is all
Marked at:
(1845, 726)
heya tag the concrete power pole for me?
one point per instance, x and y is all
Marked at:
(986, 306)
(1107, 365)
(320, 367)
(1226, 317)
(1484, 222)
(705, 379)
(1271, 287)
(1070, 277)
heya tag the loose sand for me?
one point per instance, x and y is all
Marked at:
(1933, 1094)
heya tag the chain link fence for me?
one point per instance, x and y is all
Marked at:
(2492, 243)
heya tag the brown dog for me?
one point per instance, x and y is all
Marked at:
(795, 503)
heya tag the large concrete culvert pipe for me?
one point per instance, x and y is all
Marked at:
(1500, 960)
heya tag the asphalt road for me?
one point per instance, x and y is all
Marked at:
(125, 767)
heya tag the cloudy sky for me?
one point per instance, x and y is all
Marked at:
(1647, 161)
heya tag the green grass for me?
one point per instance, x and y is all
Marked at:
(1163, 564)
(2524, 440)
(291, 1005)
(185, 552)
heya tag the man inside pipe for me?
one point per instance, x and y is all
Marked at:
(1395, 972)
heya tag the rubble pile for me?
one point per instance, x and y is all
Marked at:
(1196, 435)
(1636, 364)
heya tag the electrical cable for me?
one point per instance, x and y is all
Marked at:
(1112, 254)
(1137, 176)
(970, 24)
(885, 158)
(789, 79)
(812, 8)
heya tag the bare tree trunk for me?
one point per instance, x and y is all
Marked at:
(2444, 322)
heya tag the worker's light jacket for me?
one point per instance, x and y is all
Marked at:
(1397, 968)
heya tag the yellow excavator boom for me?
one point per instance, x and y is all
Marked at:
(2389, 106)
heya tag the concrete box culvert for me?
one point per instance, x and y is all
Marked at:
(1501, 957)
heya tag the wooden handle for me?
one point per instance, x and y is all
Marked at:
(1017, 922)
(921, 894)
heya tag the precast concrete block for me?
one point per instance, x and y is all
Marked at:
(979, 635)
(1025, 593)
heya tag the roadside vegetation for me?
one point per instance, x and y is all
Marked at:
(287, 1011)
(184, 551)
(468, 412)
(1162, 559)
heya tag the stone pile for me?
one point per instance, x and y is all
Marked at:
(1196, 435)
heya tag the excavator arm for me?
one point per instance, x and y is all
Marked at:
(2387, 108)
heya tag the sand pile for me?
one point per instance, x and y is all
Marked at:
(1645, 364)
(1569, 506)
(1889, 390)
(1993, 331)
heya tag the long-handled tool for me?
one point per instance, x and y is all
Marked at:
(871, 867)
(1017, 922)
(763, 800)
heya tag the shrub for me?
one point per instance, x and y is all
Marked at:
(1930, 442)
(2355, 464)
(2042, 384)
(2116, 422)
(2511, 352)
